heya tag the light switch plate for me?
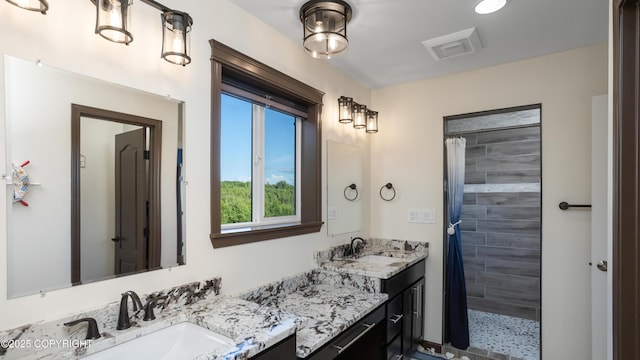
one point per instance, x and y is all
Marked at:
(332, 213)
(422, 216)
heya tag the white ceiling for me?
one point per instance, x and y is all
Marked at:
(385, 36)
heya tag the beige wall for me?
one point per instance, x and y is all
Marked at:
(75, 47)
(408, 152)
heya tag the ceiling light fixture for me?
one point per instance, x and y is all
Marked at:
(32, 5)
(325, 27)
(113, 23)
(489, 6)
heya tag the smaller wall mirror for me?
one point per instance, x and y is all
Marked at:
(345, 189)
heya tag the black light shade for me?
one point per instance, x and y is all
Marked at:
(176, 39)
(32, 5)
(113, 20)
(359, 116)
(345, 107)
(325, 27)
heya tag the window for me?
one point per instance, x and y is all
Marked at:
(265, 152)
(258, 164)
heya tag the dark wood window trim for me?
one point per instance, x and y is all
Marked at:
(229, 65)
(626, 179)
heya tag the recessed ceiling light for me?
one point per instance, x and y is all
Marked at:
(490, 6)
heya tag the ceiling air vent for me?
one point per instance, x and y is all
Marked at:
(459, 43)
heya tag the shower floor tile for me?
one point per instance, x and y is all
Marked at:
(502, 334)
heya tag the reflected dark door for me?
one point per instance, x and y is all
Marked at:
(130, 202)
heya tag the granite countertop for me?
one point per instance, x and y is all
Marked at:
(381, 259)
(316, 306)
(253, 327)
(324, 302)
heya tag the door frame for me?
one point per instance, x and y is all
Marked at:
(626, 182)
(155, 146)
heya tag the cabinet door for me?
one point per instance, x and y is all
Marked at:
(413, 320)
(418, 311)
(407, 321)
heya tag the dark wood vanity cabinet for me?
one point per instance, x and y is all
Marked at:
(404, 311)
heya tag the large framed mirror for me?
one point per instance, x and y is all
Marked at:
(100, 155)
(345, 189)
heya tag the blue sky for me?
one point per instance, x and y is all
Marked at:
(235, 160)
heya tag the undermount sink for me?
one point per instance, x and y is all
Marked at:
(180, 341)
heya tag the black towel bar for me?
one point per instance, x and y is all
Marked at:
(565, 206)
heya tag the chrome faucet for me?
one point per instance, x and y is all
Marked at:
(357, 243)
(123, 318)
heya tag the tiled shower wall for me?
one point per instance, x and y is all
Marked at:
(501, 222)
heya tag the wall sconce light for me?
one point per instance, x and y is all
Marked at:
(345, 105)
(176, 42)
(113, 23)
(32, 5)
(113, 20)
(372, 121)
(325, 27)
(362, 118)
(359, 116)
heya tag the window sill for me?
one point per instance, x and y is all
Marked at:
(263, 233)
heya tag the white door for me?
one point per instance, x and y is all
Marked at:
(599, 169)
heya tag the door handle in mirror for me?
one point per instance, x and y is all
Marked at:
(602, 265)
(115, 239)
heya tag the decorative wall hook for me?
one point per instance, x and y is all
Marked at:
(389, 188)
(350, 189)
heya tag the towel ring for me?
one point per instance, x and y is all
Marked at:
(388, 186)
(354, 188)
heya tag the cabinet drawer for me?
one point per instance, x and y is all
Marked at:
(404, 279)
(394, 317)
(369, 331)
(285, 349)
(394, 349)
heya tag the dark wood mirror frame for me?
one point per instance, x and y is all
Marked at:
(155, 146)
